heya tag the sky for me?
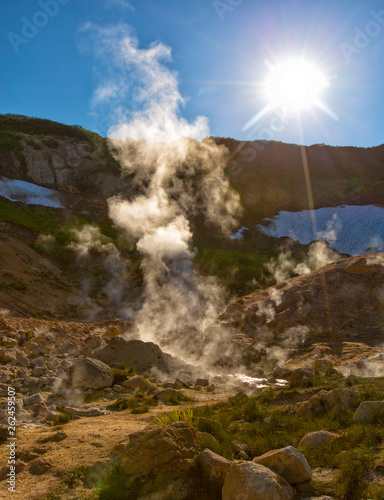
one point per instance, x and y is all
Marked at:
(53, 63)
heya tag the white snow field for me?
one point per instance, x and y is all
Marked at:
(349, 229)
(29, 193)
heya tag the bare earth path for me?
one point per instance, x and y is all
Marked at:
(86, 441)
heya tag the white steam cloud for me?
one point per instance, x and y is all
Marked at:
(138, 87)
(176, 179)
(88, 241)
(319, 255)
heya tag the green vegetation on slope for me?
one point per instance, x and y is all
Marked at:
(263, 423)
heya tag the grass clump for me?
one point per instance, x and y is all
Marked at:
(122, 372)
(176, 416)
(139, 402)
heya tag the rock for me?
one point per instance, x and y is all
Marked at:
(40, 361)
(301, 377)
(251, 481)
(19, 466)
(214, 468)
(320, 364)
(91, 373)
(369, 412)
(83, 412)
(117, 388)
(7, 355)
(170, 396)
(240, 449)
(42, 410)
(340, 399)
(301, 309)
(159, 458)
(21, 361)
(136, 383)
(39, 371)
(287, 463)
(40, 466)
(317, 439)
(144, 356)
(202, 382)
(34, 399)
(179, 384)
(55, 438)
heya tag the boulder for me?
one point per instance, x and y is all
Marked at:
(301, 377)
(158, 459)
(202, 382)
(91, 373)
(369, 412)
(282, 372)
(214, 468)
(340, 399)
(7, 355)
(144, 356)
(287, 463)
(34, 399)
(136, 383)
(40, 466)
(317, 439)
(251, 481)
(337, 399)
(19, 466)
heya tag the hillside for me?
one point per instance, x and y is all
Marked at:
(270, 175)
(149, 351)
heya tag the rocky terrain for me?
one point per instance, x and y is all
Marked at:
(92, 400)
(284, 399)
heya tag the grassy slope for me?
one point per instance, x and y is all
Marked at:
(263, 424)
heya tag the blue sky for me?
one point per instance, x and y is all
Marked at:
(51, 65)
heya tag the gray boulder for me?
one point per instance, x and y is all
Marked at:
(287, 463)
(214, 469)
(91, 373)
(369, 412)
(250, 481)
(316, 440)
(144, 356)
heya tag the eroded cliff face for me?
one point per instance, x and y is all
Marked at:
(63, 163)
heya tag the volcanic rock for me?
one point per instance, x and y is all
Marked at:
(144, 356)
(91, 373)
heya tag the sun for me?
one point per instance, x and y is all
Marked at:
(294, 85)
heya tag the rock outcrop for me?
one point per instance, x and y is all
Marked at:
(341, 302)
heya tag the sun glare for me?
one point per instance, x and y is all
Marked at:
(294, 85)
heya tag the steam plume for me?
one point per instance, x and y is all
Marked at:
(177, 178)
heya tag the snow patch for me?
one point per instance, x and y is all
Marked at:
(31, 194)
(239, 234)
(353, 230)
